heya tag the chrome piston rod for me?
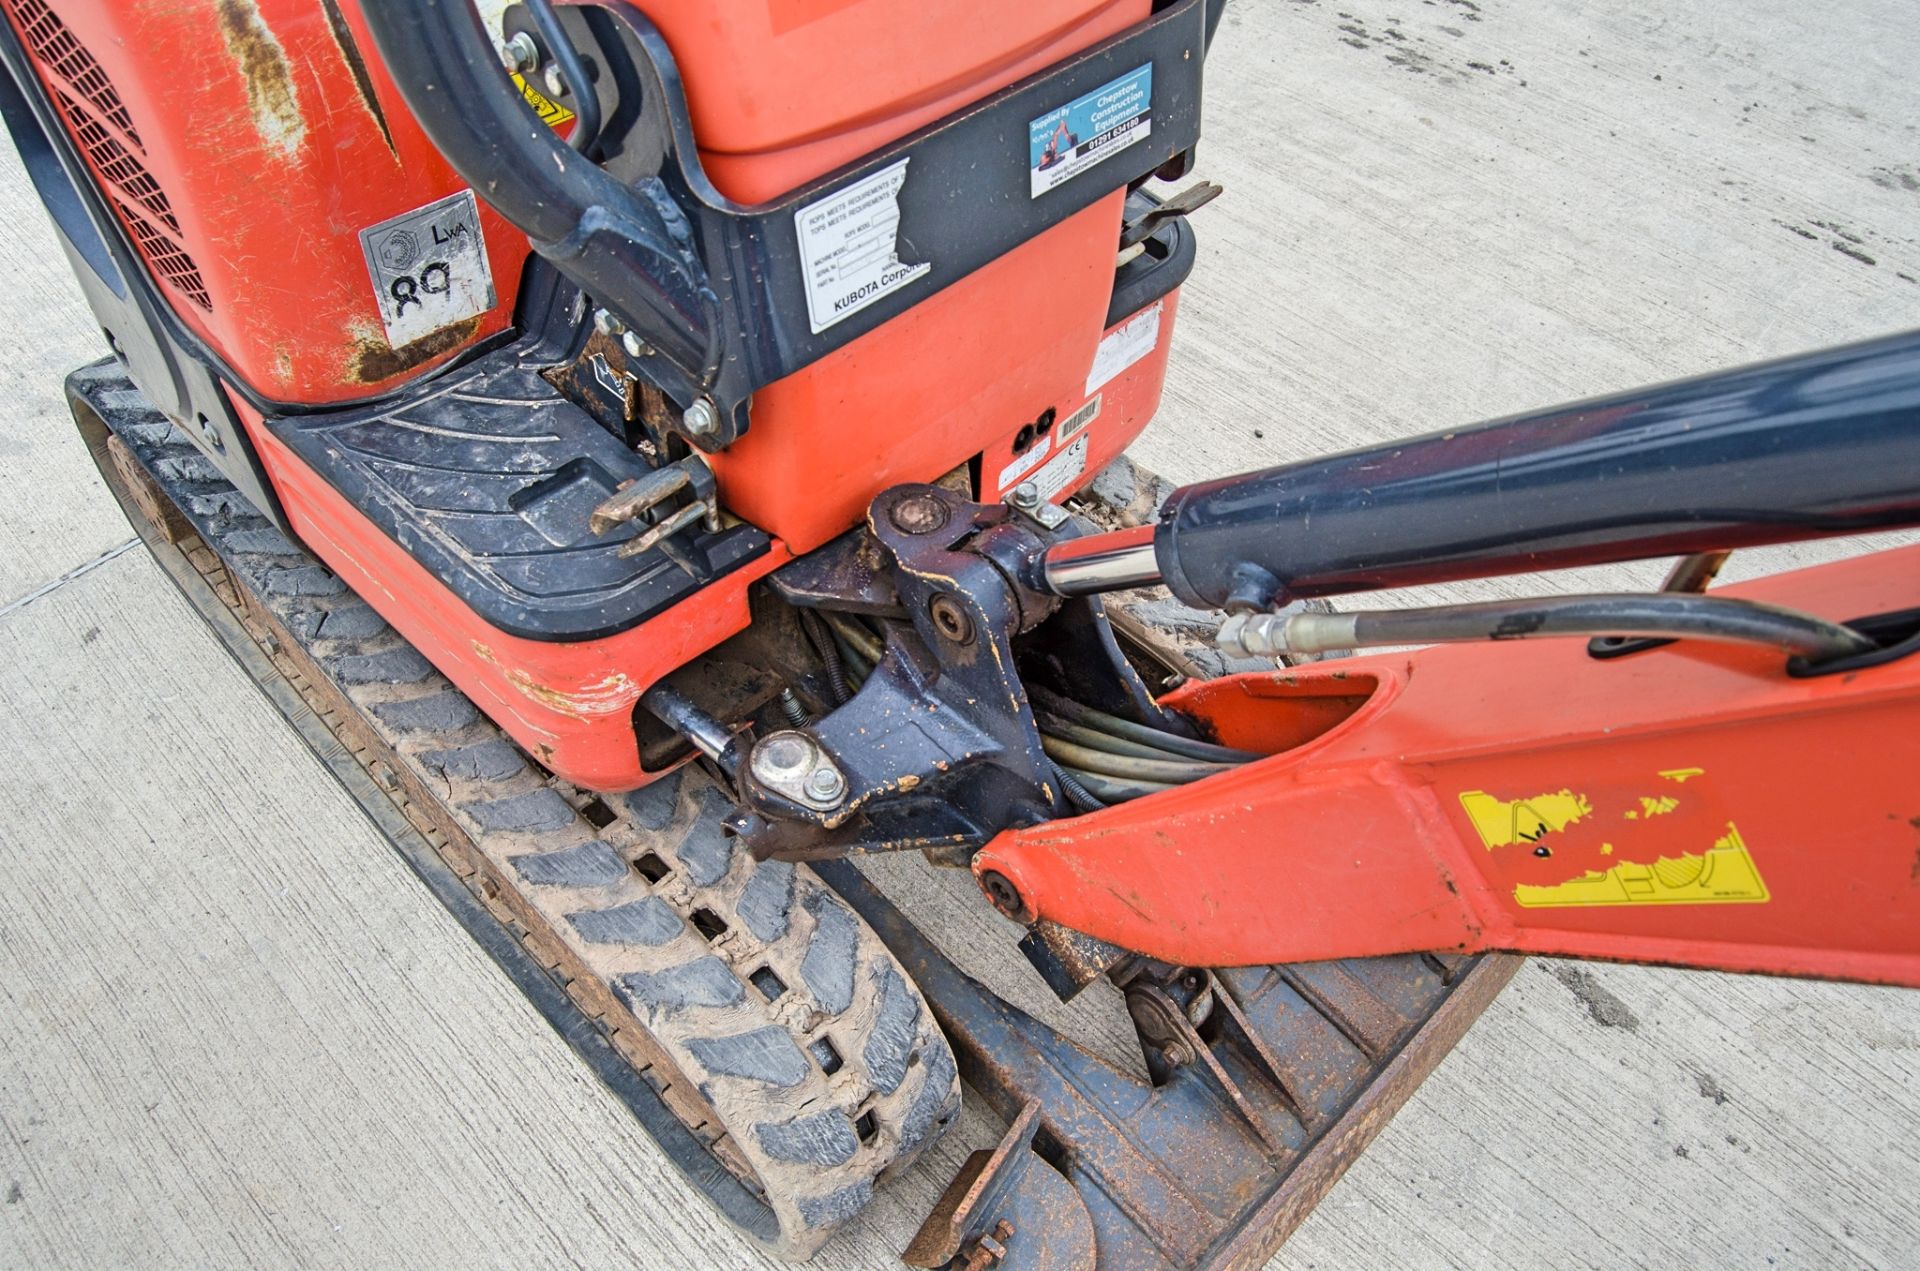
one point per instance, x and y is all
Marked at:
(1101, 562)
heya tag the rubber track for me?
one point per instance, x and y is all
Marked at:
(762, 1009)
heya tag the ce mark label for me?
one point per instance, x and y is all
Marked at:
(429, 268)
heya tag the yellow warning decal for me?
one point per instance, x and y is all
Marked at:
(1724, 875)
(551, 112)
(1582, 837)
(1504, 822)
(1652, 807)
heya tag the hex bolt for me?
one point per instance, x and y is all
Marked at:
(520, 54)
(555, 81)
(918, 514)
(634, 345)
(826, 784)
(607, 324)
(950, 619)
(1025, 496)
(700, 419)
(989, 1251)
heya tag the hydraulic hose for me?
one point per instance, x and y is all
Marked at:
(861, 640)
(858, 668)
(1113, 789)
(822, 642)
(1185, 747)
(1097, 758)
(586, 102)
(1085, 758)
(1077, 793)
(1667, 615)
(1094, 739)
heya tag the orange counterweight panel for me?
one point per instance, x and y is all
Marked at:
(959, 376)
(1062, 450)
(949, 379)
(1690, 804)
(568, 704)
(872, 70)
(244, 147)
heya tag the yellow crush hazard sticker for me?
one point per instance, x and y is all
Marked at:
(1723, 874)
(551, 112)
(1502, 822)
(1653, 845)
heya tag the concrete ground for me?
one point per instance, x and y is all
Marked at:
(235, 1031)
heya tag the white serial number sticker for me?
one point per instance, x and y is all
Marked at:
(1022, 465)
(850, 247)
(1063, 469)
(1125, 345)
(429, 268)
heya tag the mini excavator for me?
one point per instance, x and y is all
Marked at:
(663, 453)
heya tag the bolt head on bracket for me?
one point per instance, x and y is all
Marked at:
(1026, 498)
(701, 419)
(791, 764)
(1004, 896)
(918, 514)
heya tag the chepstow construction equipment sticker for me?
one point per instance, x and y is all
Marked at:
(429, 268)
(1063, 143)
(850, 247)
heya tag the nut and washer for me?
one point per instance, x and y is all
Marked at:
(1025, 496)
(791, 764)
(520, 54)
(826, 784)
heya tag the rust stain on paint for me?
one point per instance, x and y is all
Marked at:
(262, 62)
(374, 360)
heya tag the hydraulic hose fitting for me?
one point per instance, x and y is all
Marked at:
(1274, 635)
